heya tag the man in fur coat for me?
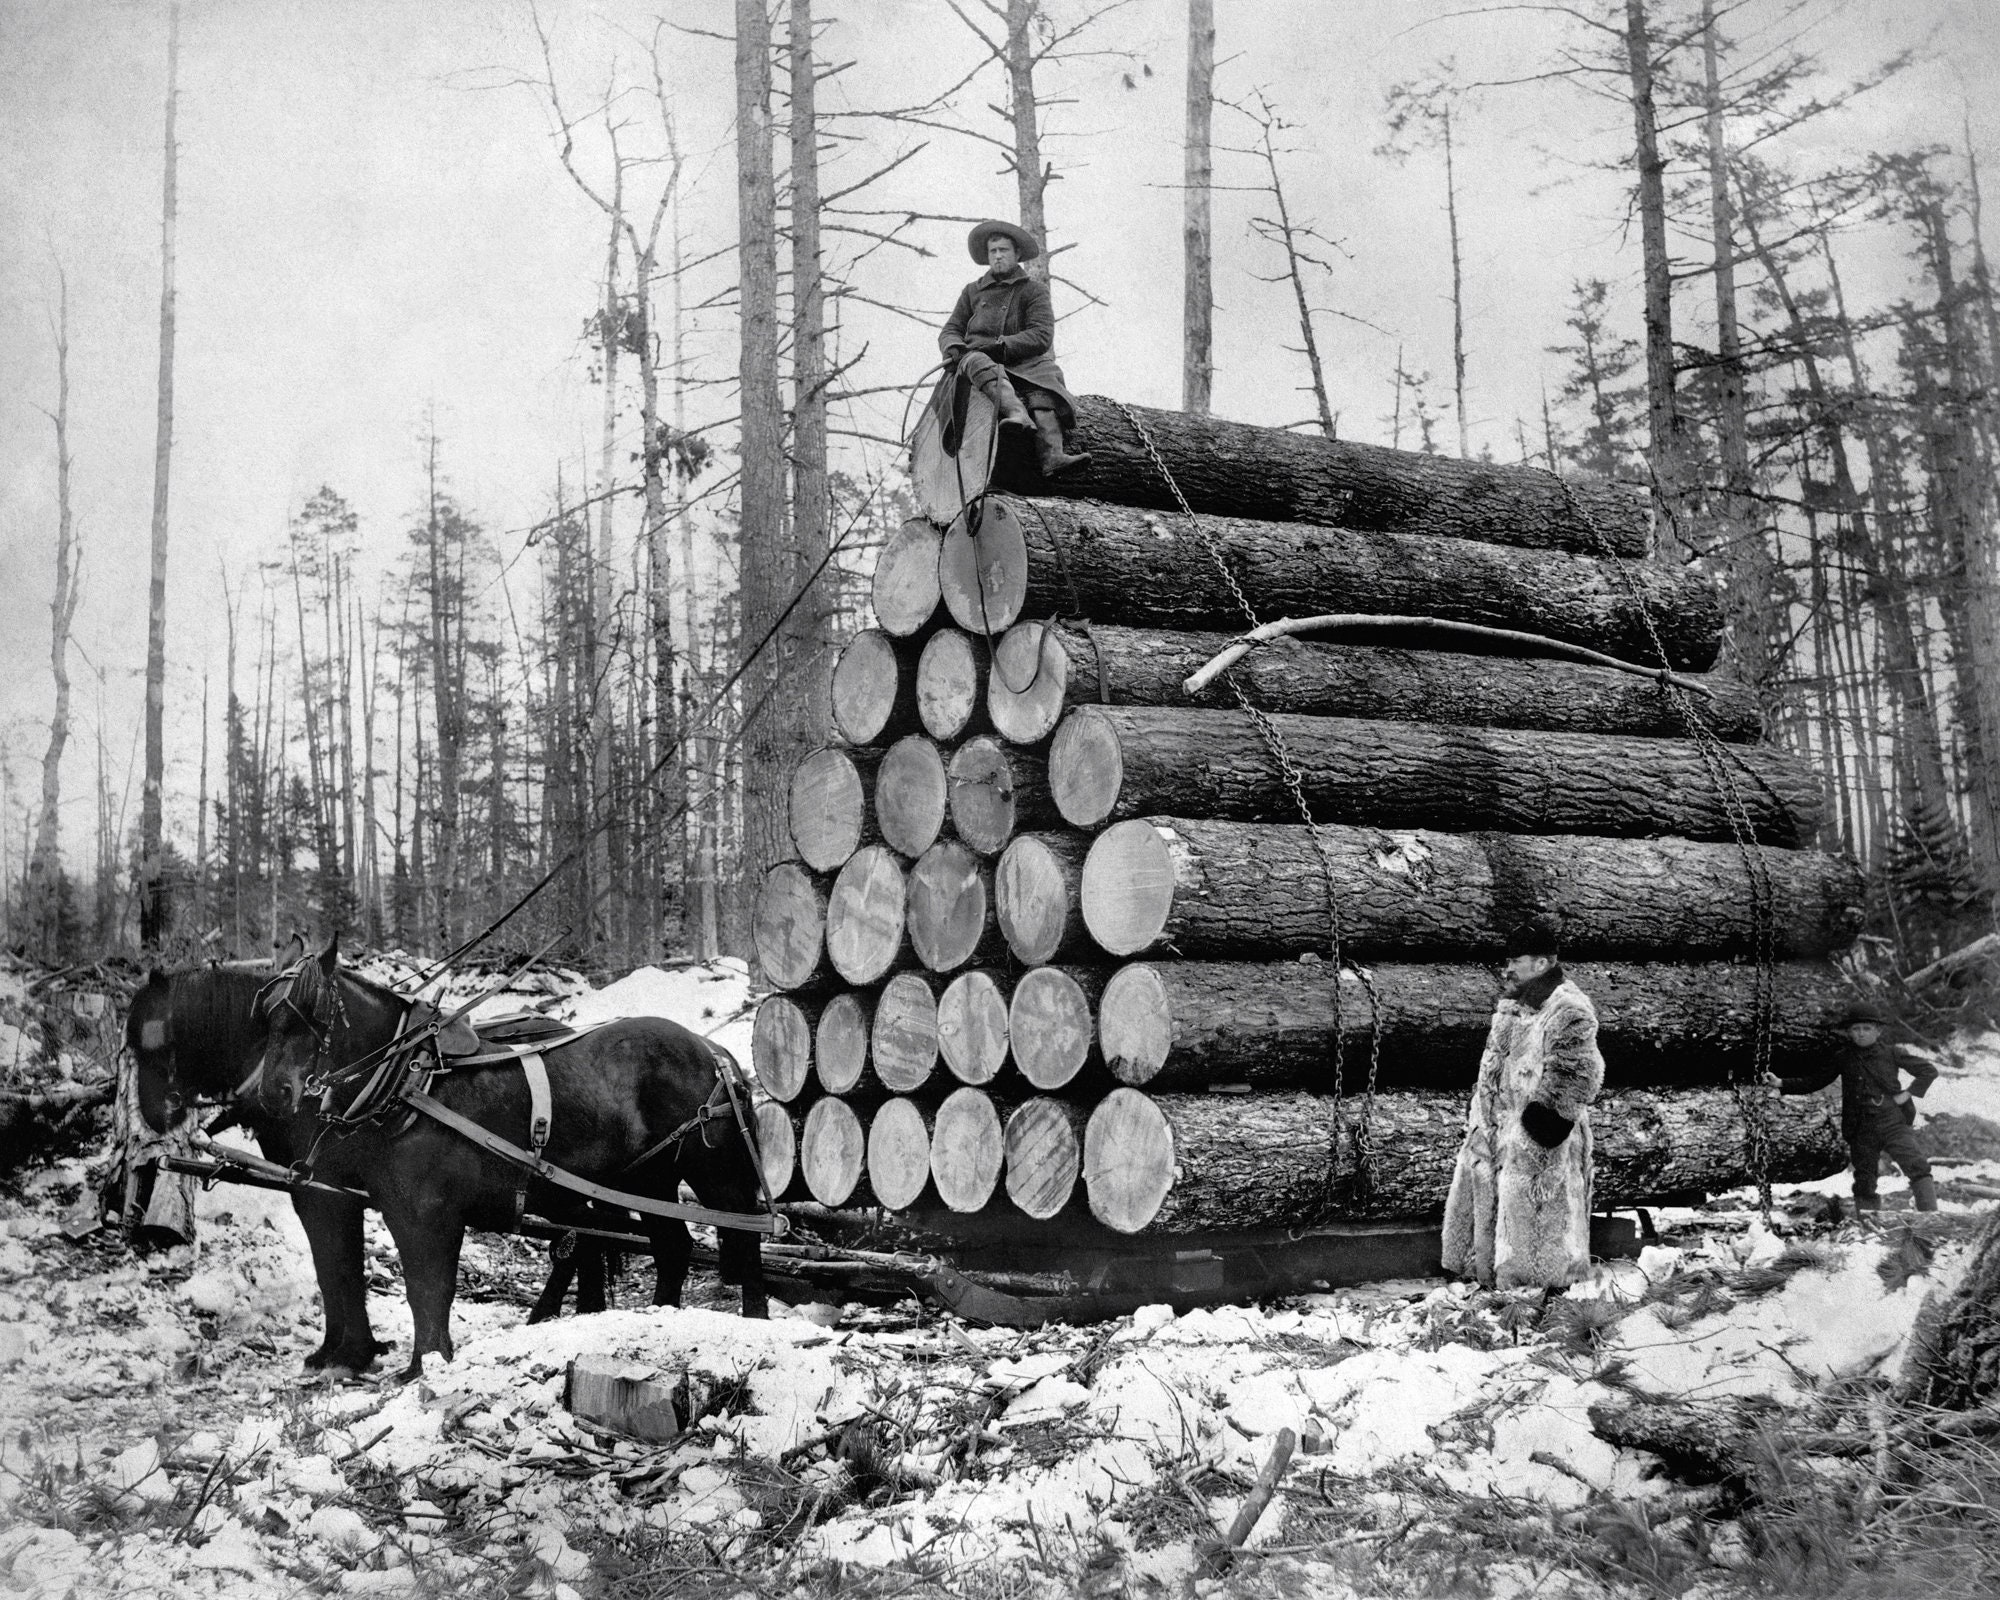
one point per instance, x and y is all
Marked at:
(1519, 1211)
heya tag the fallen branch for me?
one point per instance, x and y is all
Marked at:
(1216, 1557)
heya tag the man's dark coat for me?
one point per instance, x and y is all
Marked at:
(1014, 311)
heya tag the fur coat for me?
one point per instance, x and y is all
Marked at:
(1519, 1211)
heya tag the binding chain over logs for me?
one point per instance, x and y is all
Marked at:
(1295, 784)
(1750, 1092)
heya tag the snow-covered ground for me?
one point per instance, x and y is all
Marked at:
(156, 1437)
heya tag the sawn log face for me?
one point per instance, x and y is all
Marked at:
(1261, 1161)
(1203, 763)
(1295, 477)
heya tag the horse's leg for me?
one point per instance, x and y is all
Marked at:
(673, 1249)
(742, 1263)
(593, 1284)
(333, 1229)
(428, 1237)
(562, 1270)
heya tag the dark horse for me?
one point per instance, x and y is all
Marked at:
(615, 1093)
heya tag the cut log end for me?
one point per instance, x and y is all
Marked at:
(1128, 887)
(870, 687)
(1086, 768)
(788, 926)
(864, 915)
(1135, 1027)
(832, 1152)
(899, 1154)
(906, 579)
(1029, 683)
(951, 683)
(777, 1147)
(1035, 890)
(981, 784)
(840, 1043)
(983, 571)
(911, 795)
(905, 1036)
(1049, 1027)
(781, 1041)
(1128, 1160)
(950, 907)
(972, 1027)
(968, 1149)
(1044, 1156)
(828, 806)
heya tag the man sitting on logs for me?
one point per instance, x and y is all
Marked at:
(1001, 338)
(1876, 1111)
(1518, 1215)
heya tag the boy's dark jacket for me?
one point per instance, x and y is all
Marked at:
(1868, 1080)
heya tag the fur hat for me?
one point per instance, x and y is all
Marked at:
(1537, 936)
(1870, 1011)
(1024, 241)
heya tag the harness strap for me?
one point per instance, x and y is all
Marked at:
(494, 1145)
(540, 1116)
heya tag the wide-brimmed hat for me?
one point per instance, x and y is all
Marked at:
(1865, 1011)
(1537, 936)
(1024, 241)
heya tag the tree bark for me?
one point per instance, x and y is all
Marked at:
(968, 1149)
(972, 1026)
(1119, 561)
(994, 791)
(1666, 454)
(45, 860)
(912, 795)
(1236, 890)
(1111, 665)
(951, 684)
(1235, 469)
(1192, 1025)
(1953, 1358)
(874, 687)
(1112, 762)
(951, 915)
(155, 907)
(1197, 291)
(1037, 895)
(788, 925)
(866, 938)
(1202, 1163)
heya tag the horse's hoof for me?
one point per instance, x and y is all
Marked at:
(757, 1308)
(317, 1359)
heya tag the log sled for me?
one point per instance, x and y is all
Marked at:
(1054, 977)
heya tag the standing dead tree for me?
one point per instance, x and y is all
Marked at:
(1419, 113)
(1198, 288)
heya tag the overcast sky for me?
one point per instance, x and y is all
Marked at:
(375, 229)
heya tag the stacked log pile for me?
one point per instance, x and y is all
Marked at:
(1058, 935)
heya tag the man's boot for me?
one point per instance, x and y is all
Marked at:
(1049, 452)
(1867, 1202)
(1924, 1192)
(1006, 403)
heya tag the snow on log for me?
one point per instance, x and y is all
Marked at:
(972, 1026)
(906, 579)
(968, 1149)
(829, 807)
(1044, 1147)
(1282, 476)
(910, 795)
(788, 926)
(1050, 1026)
(875, 686)
(951, 684)
(865, 933)
(1201, 1163)
(899, 1152)
(952, 923)
(1189, 1025)
(1133, 566)
(1037, 889)
(1108, 763)
(993, 791)
(1234, 890)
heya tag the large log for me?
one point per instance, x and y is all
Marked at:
(1044, 1143)
(1037, 895)
(1112, 762)
(875, 686)
(980, 568)
(1199, 1163)
(833, 1152)
(781, 1045)
(1050, 1026)
(829, 807)
(788, 926)
(994, 791)
(777, 1147)
(951, 684)
(840, 1041)
(1189, 1025)
(968, 1149)
(910, 795)
(1134, 566)
(952, 923)
(866, 936)
(906, 579)
(1298, 477)
(1111, 665)
(1025, 689)
(899, 1152)
(903, 1041)
(1238, 890)
(972, 1026)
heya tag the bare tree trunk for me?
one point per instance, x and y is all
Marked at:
(1457, 284)
(45, 861)
(610, 335)
(807, 671)
(1198, 291)
(769, 745)
(448, 695)
(155, 912)
(1031, 176)
(1662, 408)
(1290, 237)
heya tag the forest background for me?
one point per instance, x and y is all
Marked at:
(508, 410)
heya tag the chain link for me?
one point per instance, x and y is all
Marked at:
(1294, 781)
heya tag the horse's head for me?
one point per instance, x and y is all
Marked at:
(299, 1009)
(149, 1035)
